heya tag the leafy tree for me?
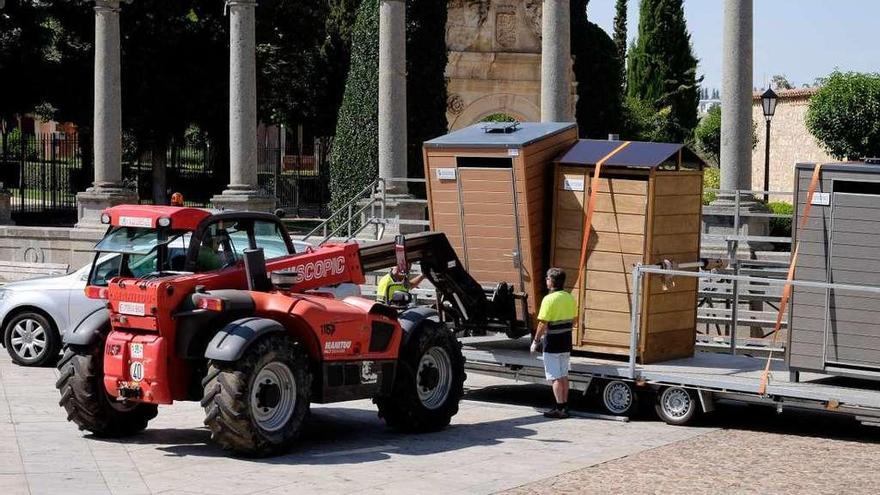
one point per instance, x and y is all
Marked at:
(290, 80)
(662, 70)
(336, 56)
(620, 37)
(780, 81)
(24, 40)
(597, 66)
(844, 115)
(707, 135)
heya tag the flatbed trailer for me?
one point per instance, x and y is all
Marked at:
(684, 387)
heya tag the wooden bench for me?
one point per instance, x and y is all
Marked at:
(11, 271)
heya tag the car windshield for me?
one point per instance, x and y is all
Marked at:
(133, 240)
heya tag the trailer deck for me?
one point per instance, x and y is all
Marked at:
(713, 376)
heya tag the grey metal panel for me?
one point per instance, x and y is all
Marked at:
(869, 276)
(811, 274)
(806, 362)
(810, 235)
(474, 136)
(856, 200)
(839, 262)
(867, 226)
(856, 239)
(846, 167)
(805, 336)
(855, 329)
(805, 349)
(809, 324)
(869, 344)
(812, 248)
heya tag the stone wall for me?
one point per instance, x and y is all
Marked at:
(494, 61)
(790, 141)
(68, 246)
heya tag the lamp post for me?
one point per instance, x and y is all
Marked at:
(768, 104)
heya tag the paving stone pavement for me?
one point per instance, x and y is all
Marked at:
(758, 453)
(489, 447)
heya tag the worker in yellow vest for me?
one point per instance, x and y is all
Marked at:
(395, 281)
(555, 322)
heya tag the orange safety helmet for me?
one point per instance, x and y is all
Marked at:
(177, 199)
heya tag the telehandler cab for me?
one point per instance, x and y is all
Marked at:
(256, 340)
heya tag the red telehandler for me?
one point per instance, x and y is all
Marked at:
(256, 340)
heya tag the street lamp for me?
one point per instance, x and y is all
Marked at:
(768, 104)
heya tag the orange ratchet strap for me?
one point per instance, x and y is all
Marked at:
(786, 291)
(588, 222)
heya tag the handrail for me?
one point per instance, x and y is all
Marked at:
(357, 197)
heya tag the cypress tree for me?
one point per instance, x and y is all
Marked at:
(662, 70)
(620, 37)
(354, 158)
(597, 69)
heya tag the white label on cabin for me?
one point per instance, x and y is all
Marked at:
(513, 152)
(445, 174)
(136, 222)
(573, 184)
(821, 199)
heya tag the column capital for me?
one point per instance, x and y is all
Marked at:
(108, 5)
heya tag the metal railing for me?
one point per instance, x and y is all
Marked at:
(368, 208)
(636, 309)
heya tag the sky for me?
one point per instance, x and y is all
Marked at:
(803, 39)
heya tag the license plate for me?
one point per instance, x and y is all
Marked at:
(132, 308)
(136, 222)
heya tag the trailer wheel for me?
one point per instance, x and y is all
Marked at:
(618, 397)
(676, 406)
(429, 381)
(87, 402)
(257, 406)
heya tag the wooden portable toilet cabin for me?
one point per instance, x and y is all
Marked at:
(835, 331)
(488, 191)
(648, 209)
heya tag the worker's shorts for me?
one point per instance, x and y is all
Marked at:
(556, 365)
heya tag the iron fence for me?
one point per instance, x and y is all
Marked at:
(300, 182)
(43, 173)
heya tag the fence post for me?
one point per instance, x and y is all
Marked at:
(53, 165)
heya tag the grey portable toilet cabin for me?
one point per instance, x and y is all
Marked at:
(836, 331)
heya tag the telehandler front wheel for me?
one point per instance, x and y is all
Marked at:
(429, 381)
(257, 406)
(87, 402)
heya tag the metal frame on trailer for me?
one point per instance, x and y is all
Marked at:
(711, 376)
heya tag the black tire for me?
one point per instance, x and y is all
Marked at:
(232, 394)
(87, 402)
(677, 405)
(408, 410)
(31, 339)
(619, 397)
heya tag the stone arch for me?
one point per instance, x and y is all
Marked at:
(517, 106)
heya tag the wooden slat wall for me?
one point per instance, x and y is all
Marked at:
(617, 242)
(669, 313)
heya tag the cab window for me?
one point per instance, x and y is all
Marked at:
(271, 238)
(216, 249)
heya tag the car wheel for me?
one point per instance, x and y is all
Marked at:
(32, 340)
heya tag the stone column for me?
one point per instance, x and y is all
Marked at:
(736, 139)
(556, 61)
(242, 192)
(736, 96)
(392, 92)
(107, 189)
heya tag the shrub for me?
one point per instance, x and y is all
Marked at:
(711, 180)
(844, 115)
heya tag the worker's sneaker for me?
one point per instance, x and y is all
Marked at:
(556, 414)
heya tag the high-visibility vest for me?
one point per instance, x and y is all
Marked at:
(558, 311)
(387, 287)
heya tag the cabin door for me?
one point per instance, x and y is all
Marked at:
(489, 221)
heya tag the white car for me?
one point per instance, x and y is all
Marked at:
(35, 313)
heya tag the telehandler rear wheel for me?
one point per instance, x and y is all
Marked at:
(429, 381)
(87, 402)
(257, 406)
